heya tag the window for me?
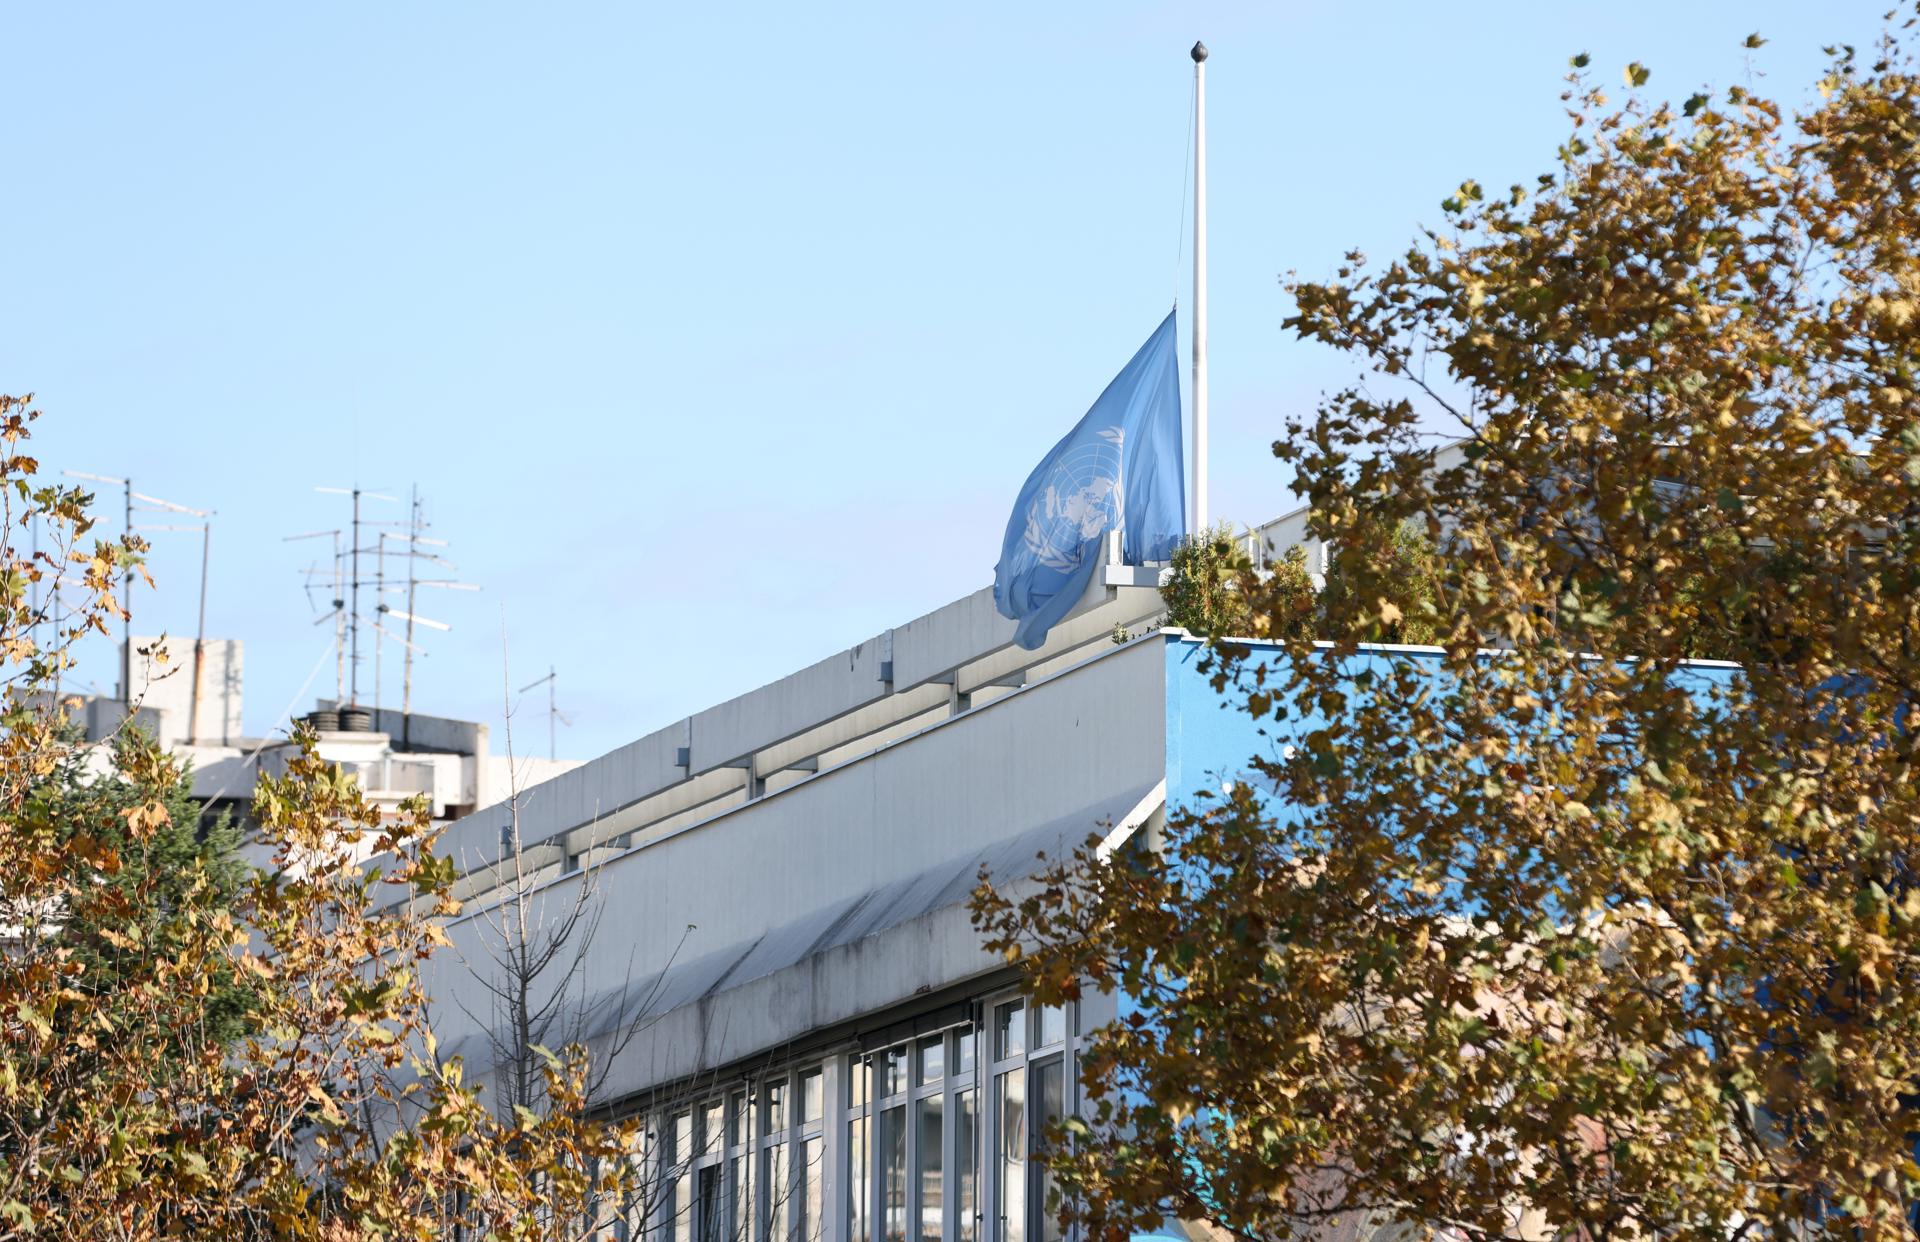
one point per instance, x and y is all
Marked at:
(703, 1163)
(811, 1097)
(1049, 1095)
(933, 1060)
(1010, 1031)
(859, 1155)
(924, 1127)
(930, 1164)
(1026, 1090)
(893, 1173)
(776, 1106)
(786, 1196)
(712, 1205)
(680, 1207)
(966, 1139)
(813, 1181)
(810, 1146)
(931, 1139)
(1053, 1026)
(773, 1171)
(1010, 1124)
(741, 1107)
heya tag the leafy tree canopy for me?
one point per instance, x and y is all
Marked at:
(1553, 933)
(181, 863)
(192, 1052)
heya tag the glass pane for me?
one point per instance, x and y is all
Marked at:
(859, 1174)
(933, 1059)
(857, 1074)
(742, 1194)
(1011, 1167)
(896, 1070)
(1053, 1025)
(928, 1154)
(966, 1134)
(811, 1098)
(711, 1138)
(963, 1062)
(712, 1218)
(893, 1173)
(778, 1189)
(741, 1106)
(1049, 1082)
(681, 1229)
(1010, 1031)
(776, 1107)
(813, 1177)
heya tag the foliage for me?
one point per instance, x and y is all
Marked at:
(1206, 585)
(164, 867)
(1214, 591)
(332, 1116)
(1553, 933)
(1396, 572)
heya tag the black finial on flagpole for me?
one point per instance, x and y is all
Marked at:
(1199, 52)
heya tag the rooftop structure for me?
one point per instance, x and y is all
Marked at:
(780, 933)
(892, 687)
(395, 756)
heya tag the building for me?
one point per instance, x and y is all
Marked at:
(782, 973)
(192, 706)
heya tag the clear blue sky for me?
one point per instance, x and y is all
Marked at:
(719, 337)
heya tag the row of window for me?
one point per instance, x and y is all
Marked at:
(926, 1141)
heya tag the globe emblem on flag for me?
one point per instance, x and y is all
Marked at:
(1081, 501)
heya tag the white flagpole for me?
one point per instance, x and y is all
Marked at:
(1200, 514)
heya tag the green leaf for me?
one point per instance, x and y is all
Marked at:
(1637, 74)
(1694, 103)
(1754, 40)
(34, 1018)
(1581, 61)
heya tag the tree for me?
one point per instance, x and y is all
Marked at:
(330, 1116)
(161, 867)
(1205, 590)
(1556, 934)
(534, 946)
(1214, 590)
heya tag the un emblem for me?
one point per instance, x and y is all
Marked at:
(1081, 501)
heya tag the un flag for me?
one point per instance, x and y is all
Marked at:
(1119, 468)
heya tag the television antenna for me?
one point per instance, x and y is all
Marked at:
(411, 543)
(351, 593)
(139, 502)
(554, 714)
(338, 612)
(414, 551)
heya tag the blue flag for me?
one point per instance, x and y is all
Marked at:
(1120, 467)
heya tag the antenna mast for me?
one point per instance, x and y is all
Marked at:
(143, 502)
(416, 525)
(349, 598)
(347, 583)
(554, 715)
